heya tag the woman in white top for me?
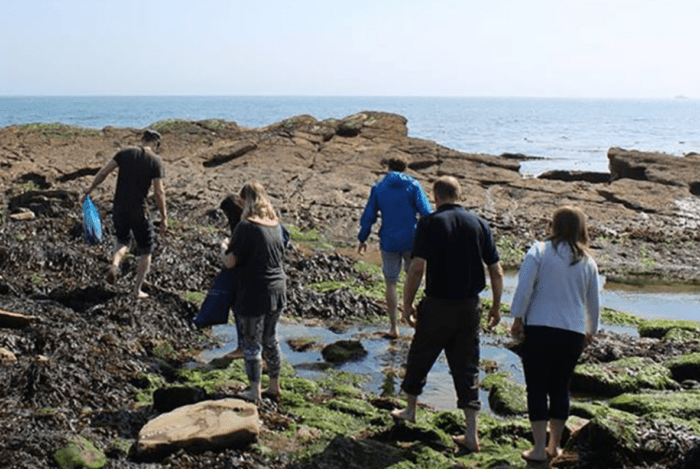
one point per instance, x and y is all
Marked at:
(556, 307)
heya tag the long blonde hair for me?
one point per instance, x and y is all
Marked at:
(569, 226)
(256, 203)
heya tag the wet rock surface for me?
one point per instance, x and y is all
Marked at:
(81, 365)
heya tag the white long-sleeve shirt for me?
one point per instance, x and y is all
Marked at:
(552, 292)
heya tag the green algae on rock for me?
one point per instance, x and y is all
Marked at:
(505, 396)
(685, 367)
(80, 453)
(630, 374)
(660, 328)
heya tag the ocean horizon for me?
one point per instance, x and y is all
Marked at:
(566, 133)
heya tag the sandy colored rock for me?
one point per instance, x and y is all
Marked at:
(206, 425)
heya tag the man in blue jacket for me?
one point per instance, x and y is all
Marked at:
(400, 199)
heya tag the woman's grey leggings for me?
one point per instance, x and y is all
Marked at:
(259, 341)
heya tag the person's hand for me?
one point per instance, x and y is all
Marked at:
(362, 248)
(494, 316)
(589, 339)
(224, 245)
(409, 315)
(517, 330)
(163, 226)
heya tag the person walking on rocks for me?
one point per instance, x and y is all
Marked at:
(139, 168)
(400, 199)
(556, 307)
(256, 250)
(451, 247)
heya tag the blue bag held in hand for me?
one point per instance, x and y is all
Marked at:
(219, 300)
(92, 226)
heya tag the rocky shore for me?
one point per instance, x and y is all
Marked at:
(81, 359)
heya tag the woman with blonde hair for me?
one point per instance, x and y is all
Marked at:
(257, 250)
(556, 307)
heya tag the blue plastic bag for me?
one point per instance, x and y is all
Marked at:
(92, 226)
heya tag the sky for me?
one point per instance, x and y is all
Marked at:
(529, 48)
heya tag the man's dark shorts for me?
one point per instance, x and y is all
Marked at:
(136, 222)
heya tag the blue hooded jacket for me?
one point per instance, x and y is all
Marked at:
(399, 198)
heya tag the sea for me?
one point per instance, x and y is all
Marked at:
(565, 134)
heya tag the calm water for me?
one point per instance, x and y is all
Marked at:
(383, 355)
(568, 133)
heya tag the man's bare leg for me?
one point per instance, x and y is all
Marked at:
(392, 307)
(117, 258)
(470, 439)
(409, 413)
(142, 270)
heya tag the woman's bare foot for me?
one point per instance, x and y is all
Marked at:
(236, 354)
(250, 395)
(531, 455)
(469, 444)
(272, 395)
(554, 453)
(404, 414)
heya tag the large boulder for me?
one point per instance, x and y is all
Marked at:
(654, 167)
(207, 425)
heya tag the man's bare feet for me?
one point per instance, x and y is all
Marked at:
(112, 275)
(392, 334)
(467, 444)
(404, 414)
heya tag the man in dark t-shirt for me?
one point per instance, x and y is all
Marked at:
(451, 246)
(139, 167)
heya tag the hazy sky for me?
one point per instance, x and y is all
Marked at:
(539, 48)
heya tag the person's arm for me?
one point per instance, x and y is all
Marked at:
(422, 202)
(159, 192)
(496, 276)
(413, 279)
(101, 175)
(593, 305)
(369, 216)
(523, 292)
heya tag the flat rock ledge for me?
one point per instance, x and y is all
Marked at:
(207, 425)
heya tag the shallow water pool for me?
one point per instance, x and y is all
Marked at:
(386, 355)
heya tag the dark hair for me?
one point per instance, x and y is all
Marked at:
(447, 187)
(569, 226)
(150, 136)
(397, 163)
(232, 210)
